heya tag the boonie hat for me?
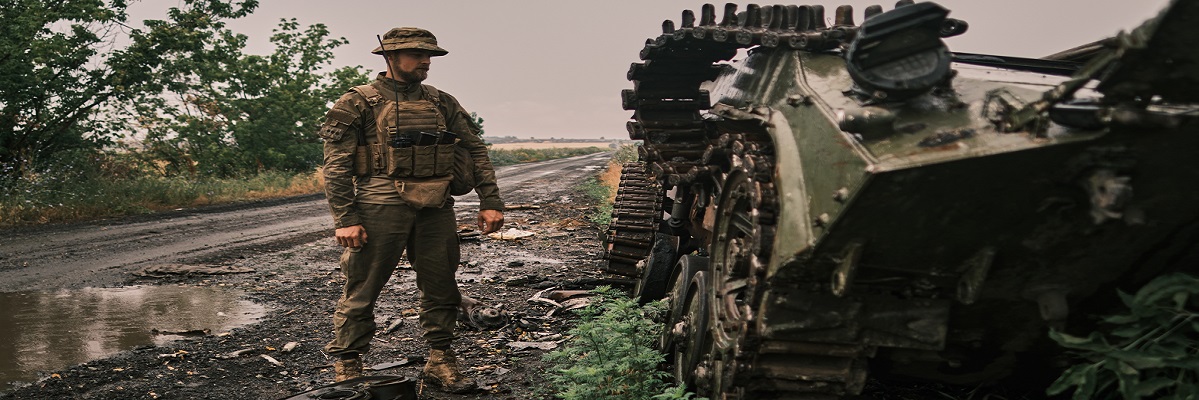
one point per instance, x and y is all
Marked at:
(410, 38)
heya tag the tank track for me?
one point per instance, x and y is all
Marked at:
(635, 215)
(682, 147)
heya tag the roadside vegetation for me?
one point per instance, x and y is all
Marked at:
(602, 188)
(610, 353)
(501, 157)
(98, 185)
(174, 113)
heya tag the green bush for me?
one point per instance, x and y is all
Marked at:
(625, 154)
(1152, 351)
(610, 354)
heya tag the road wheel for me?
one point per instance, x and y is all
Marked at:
(680, 279)
(655, 269)
(692, 340)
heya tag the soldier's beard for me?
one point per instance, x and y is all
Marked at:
(416, 75)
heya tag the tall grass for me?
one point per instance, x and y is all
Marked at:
(501, 157)
(96, 188)
(601, 195)
(602, 188)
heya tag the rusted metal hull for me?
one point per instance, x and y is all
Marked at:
(935, 227)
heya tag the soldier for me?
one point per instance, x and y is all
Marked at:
(390, 163)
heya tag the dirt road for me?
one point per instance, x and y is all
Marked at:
(292, 260)
(104, 253)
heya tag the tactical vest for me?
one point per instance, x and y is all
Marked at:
(412, 144)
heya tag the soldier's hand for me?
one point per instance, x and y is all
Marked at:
(490, 220)
(353, 236)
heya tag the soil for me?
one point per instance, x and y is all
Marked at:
(294, 273)
(287, 246)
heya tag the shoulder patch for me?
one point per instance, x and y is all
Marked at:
(337, 121)
(332, 130)
(340, 115)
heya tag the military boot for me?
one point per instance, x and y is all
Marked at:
(442, 368)
(347, 368)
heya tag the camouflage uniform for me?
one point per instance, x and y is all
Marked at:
(391, 224)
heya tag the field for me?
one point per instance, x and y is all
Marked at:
(550, 145)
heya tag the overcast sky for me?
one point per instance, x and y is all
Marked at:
(555, 68)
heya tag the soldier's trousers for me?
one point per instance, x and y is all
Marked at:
(431, 238)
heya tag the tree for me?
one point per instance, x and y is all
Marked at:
(241, 113)
(61, 46)
(478, 121)
(182, 86)
(50, 85)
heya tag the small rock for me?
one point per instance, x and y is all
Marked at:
(272, 360)
(234, 354)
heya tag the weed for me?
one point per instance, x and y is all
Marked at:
(610, 354)
(625, 154)
(602, 188)
(1152, 352)
(601, 195)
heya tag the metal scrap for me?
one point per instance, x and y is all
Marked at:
(562, 299)
(559, 295)
(480, 316)
(468, 234)
(389, 365)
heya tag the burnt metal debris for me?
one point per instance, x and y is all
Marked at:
(481, 316)
(854, 199)
(380, 387)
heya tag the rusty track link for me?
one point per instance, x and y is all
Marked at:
(681, 145)
(635, 216)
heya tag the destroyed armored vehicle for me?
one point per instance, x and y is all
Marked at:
(856, 199)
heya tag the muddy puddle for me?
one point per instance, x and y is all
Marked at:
(46, 331)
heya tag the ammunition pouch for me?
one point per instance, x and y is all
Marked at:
(424, 193)
(415, 149)
(464, 172)
(416, 154)
(362, 162)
